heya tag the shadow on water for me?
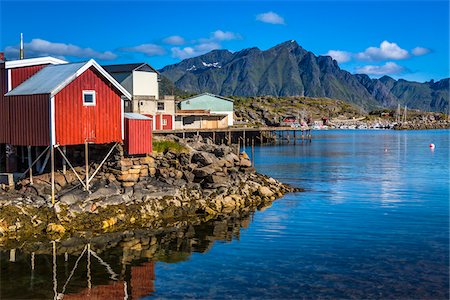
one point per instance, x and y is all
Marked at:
(111, 266)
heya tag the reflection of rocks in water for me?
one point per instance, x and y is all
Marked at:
(113, 265)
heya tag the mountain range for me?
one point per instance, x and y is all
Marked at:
(289, 70)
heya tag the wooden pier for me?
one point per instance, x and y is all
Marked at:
(245, 135)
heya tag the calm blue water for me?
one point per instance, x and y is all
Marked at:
(373, 223)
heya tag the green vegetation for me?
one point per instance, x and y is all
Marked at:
(165, 146)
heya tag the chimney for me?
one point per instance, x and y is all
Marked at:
(21, 46)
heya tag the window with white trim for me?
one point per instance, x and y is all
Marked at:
(89, 98)
(160, 105)
(164, 122)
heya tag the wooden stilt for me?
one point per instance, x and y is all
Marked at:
(52, 163)
(30, 164)
(86, 162)
(229, 137)
(295, 137)
(253, 152)
(214, 137)
(244, 142)
(64, 165)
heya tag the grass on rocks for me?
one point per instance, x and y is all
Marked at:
(164, 146)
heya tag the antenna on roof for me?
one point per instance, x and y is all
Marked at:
(21, 46)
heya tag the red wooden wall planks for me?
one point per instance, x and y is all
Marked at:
(138, 136)
(76, 123)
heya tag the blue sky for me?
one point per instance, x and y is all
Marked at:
(403, 39)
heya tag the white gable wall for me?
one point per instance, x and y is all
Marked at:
(145, 84)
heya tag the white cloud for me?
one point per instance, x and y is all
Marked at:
(271, 18)
(147, 49)
(388, 68)
(196, 50)
(220, 35)
(40, 47)
(340, 56)
(387, 50)
(175, 40)
(418, 51)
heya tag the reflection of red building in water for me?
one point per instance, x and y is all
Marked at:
(141, 284)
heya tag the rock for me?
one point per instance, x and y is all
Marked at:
(178, 174)
(55, 228)
(104, 192)
(217, 178)
(203, 172)
(60, 179)
(231, 157)
(70, 198)
(203, 158)
(128, 184)
(228, 202)
(143, 173)
(148, 160)
(109, 222)
(244, 155)
(129, 177)
(221, 162)
(125, 163)
(152, 171)
(134, 170)
(189, 176)
(265, 191)
(245, 163)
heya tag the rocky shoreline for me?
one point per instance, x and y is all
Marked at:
(198, 182)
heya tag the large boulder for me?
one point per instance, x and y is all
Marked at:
(203, 172)
(265, 191)
(203, 158)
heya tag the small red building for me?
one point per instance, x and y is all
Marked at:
(138, 134)
(66, 104)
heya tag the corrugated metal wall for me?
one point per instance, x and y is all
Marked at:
(138, 136)
(4, 107)
(19, 75)
(76, 123)
(29, 120)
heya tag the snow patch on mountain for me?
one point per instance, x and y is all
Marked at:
(212, 65)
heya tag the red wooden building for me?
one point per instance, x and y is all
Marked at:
(50, 103)
(138, 134)
(65, 104)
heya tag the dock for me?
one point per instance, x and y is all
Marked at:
(245, 135)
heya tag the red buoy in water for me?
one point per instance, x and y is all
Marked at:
(432, 146)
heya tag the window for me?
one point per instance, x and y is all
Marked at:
(160, 105)
(164, 122)
(89, 98)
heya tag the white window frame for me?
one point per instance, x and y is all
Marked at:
(157, 104)
(164, 122)
(89, 92)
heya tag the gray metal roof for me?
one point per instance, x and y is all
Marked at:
(47, 80)
(136, 116)
(128, 68)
